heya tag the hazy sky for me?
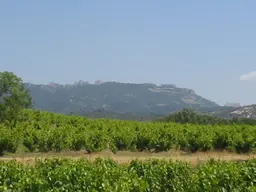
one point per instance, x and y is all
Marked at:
(208, 46)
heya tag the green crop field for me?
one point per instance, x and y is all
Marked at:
(43, 132)
(107, 175)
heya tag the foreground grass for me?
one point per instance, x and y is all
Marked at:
(107, 175)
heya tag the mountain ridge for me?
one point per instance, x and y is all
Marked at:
(117, 97)
(128, 100)
(246, 111)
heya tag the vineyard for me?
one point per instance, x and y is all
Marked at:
(43, 132)
(107, 175)
(36, 131)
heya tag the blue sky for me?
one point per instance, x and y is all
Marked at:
(208, 46)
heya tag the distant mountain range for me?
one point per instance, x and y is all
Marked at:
(116, 97)
(248, 111)
(126, 100)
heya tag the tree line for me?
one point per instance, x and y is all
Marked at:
(188, 115)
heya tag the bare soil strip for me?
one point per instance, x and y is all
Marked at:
(126, 157)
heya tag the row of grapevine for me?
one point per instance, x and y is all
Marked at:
(41, 131)
(107, 175)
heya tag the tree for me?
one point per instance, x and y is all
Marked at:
(13, 96)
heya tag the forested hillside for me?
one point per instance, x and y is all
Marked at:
(115, 97)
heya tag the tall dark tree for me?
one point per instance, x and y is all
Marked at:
(13, 96)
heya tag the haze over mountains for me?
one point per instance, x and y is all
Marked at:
(128, 100)
(82, 97)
